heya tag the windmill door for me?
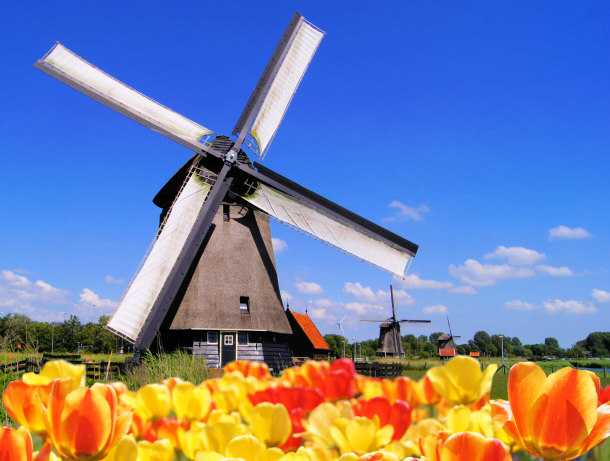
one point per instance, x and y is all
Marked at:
(228, 344)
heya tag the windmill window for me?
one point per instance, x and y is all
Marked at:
(244, 304)
(242, 338)
(212, 337)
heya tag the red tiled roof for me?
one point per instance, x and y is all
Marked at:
(317, 340)
(447, 352)
(475, 354)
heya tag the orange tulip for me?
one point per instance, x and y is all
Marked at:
(554, 417)
(259, 370)
(84, 424)
(23, 403)
(15, 444)
(468, 446)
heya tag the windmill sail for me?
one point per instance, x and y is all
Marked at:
(279, 82)
(323, 220)
(71, 69)
(135, 307)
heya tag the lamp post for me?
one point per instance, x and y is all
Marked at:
(355, 348)
(52, 335)
(503, 366)
(343, 348)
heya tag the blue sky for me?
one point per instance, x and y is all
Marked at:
(478, 131)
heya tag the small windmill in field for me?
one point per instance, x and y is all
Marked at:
(446, 344)
(390, 340)
(208, 283)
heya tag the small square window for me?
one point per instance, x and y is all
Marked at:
(228, 340)
(242, 338)
(244, 304)
(212, 337)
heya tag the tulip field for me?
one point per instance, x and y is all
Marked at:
(319, 411)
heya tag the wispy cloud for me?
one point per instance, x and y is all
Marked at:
(413, 282)
(436, 309)
(17, 290)
(278, 245)
(562, 271)
(464, 290)
(364, 308)
(404, 212)
(473, 272)
(518, 256)
(554, 306)
(571, 233)
(110, 279)
(309, 288)
(601, 296)
(379, 297)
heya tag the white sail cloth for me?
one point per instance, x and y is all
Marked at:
(133, 310)
(322, 226)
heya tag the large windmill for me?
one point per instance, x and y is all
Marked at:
(208, 283)
(390, 340)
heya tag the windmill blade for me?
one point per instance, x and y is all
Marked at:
(271, 97)
(328, 222)
(415, 321)
(135, 307)
(74, 71)
(140, 313)
(374, 321)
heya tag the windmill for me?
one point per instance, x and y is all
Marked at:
(390, 340)
(208, 283)
(446, 344)
(340, 325)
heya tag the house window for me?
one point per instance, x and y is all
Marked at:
(242, 338)
(212, 337)
(228, 340)
(244, 304)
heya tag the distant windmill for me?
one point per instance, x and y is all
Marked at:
(446, 343)
(390, 342)
(340, 324)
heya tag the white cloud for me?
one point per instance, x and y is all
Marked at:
(517, 256)
(562, 271)
(319, 313)
(18, 291)
(404, 212)
(600, 296)
(401, 297)
(571, 306)
(475, 273)
(553, 306)
(278, 245)
(110, 279)
(413, 282)
(436, 309)
(364, 308)
(520, 305)
(464, 290)
(286, 297)
(88, 299)
(309, 288)
(564, 232)
(323, 302)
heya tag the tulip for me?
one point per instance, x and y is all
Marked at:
(270, 423)
(258, 370)
(160, 450)
(246, 447)
(57, 369)
(461, 381)
(604, 395)
(15, 444)
(25, 402)
(360, 435)
(398, 414)
(153, 402)
(126, 449)
(468, 446)
(554, 417)
(318, 425)
(84, 424)
(191, 402)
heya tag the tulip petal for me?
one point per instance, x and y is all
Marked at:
(524, 384)
(565, 412)
(601, 430)
(15, 444)
(473, 447)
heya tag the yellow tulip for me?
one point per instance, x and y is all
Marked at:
(57, 369)
(246, 447)
(25, 403)
(208, 456)
(191, 441)
(461, 381)
(126, 449)
(423, 428)
(227, 399)
(217, 436)
(153, 402)
(318, 425)
(360, 435)
(191, 402)
(271, 423)
(312, 454)
(160, 450)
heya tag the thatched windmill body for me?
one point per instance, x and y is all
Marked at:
(208, 283)
(390, 339)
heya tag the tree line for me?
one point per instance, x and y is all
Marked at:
(594, 345)
(68, 336)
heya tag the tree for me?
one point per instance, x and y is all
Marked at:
(434, 337)
(483, 342)
(551, 347)
(70, 334)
